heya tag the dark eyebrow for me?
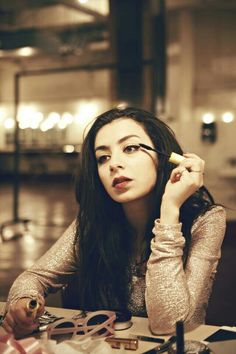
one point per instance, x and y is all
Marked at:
(105, 147)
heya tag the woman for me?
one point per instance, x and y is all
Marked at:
(147, 236)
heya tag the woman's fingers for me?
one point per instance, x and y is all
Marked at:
(18, 326)
(3, 332)
(193, 163)
(11, 321)
(185, 179)
(184, 174)
(19, 320)
(190, 171)
(8, 324)
(20, 331)
(177, 173)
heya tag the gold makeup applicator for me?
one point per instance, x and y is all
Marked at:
(32, 307)
(173, 157)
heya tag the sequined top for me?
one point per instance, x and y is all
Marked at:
(163, 289)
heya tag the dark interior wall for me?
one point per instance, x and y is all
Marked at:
(222, 305)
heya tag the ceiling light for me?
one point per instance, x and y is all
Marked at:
(26, 51)
(227, 117)
(9, 123)
(68, 149)
(208, 118)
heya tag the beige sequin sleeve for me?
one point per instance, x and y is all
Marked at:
(50, 272)
(172, 292)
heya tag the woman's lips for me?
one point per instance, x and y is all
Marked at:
(120, 182)
(121, 185)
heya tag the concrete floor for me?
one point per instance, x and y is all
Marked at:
(51, 206)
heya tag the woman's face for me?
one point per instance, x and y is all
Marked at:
(127, 172)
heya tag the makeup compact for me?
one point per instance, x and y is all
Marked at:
(123, 320)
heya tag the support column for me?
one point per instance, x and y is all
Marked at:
(159, 58)
(126, 46)
(186, 65)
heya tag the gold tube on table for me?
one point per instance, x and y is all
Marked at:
(32, 307)
(126, 343)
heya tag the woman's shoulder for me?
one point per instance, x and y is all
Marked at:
(70, 233)
(213, 217)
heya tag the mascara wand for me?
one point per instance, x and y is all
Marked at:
(173, 157)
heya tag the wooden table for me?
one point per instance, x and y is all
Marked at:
(139, 327)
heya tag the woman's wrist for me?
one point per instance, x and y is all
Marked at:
(169, 213)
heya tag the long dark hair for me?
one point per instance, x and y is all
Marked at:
(103, 234)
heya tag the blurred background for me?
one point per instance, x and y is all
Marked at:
(64, 62)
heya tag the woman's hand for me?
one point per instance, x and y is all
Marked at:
(184, 180)
(19, 320)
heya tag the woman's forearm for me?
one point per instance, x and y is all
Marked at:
(175, 292)
(167, 298)
(50, 272)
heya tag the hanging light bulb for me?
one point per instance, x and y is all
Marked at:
(208, 128)
(227, 117)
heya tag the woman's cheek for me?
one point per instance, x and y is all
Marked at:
(102, 178)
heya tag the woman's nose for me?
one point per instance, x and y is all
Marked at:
(115, 166)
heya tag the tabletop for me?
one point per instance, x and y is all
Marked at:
(139, 327)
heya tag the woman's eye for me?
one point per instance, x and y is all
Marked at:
(102, 159)
(131, 148)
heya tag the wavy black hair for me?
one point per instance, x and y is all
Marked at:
(103, 233)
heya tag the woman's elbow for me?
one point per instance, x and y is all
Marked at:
(168, 325)
(164, 322)
(161, 326)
